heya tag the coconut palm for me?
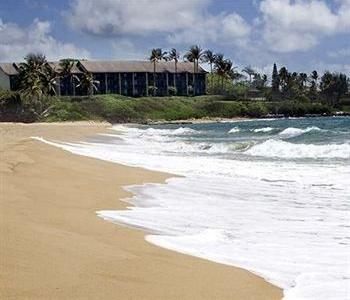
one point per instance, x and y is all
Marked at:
(303, 78)
(264, 80)
(283, 76)
(156, 55)
(225, 70)
(314, 78)
(194, 54)
(65, 72)
(49, 81)
(250, 71)
(32, 73)
(88, 83)
(209, 57)
(174, 55)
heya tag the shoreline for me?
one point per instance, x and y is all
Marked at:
(49, 215)
(234, 119)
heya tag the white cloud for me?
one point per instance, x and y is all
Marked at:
(16, 42)
(298, 25)
(125, 49)
(137, 17)
(345, 52)
(181, 21)
(337, 67)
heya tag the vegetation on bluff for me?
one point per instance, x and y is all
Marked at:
(116, 108)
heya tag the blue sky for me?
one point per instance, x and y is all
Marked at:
(300, 34)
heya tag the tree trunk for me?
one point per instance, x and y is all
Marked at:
(222, 85)
(194, 78)
(175, 75)
(154, 78)
(211, 75)
(72, 83)
(133, 84)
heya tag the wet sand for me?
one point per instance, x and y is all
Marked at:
(53, 246)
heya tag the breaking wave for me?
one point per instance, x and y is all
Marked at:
(283, 149)
(265, 129)
(234, 130)
(294, 132)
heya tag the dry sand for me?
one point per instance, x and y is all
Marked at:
(53, 246)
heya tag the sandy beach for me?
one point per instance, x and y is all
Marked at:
(53, 246)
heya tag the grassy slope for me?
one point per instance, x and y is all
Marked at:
(116, 108)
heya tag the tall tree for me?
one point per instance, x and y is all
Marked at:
(156, 55)
(66, 72)
(333, 86)
(194, 54)
(225, 70)
(275, 80)
(313, 90)
(250, 71)
(209, 57)
(32, 74)
(175, 56)
(88, 83)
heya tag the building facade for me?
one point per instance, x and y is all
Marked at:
(129, 78)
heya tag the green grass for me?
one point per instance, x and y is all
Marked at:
(116, 108)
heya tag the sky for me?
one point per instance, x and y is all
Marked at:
(302, 35)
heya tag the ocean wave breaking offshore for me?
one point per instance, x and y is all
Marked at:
(291, 132)
(283, 149)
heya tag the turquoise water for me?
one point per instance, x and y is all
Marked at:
(331, 136)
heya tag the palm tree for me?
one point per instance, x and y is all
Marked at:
(314, 85)
(194, 54)
(250, 71)
(88, 83)
(49, 81)
(284, 77)
(224, 68)
(174, 55)
(32, 73)
(156, 55)
(218, 65)
(314, 77)
(65, 72)
(209, 57)
(303, 78)
(264, 80)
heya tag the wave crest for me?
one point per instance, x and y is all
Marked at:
(234, 130)
(264, 129)
(291, 132)
(283, 149)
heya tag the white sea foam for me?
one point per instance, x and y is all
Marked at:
(264, 129)
(234, 130)
(294, 132)
(283, 149)
(287, 222)
(178, 131)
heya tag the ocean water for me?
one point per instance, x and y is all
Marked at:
(270, 196)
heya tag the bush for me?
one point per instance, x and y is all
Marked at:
(256, 109)
(117, 108)
(172, 91)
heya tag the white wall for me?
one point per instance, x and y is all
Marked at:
(4, 80)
